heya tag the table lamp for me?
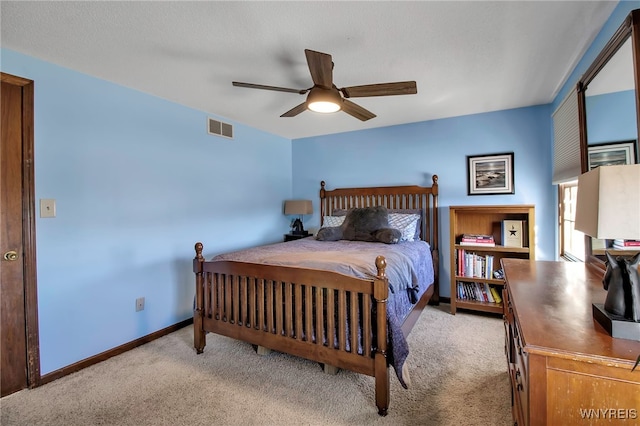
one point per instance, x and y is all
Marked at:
(299, 208)
(608, 207)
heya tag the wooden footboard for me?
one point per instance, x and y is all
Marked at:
(318, 315)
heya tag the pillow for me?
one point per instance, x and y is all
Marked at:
(360, 223)
(407, 224)
(418, 212)
(328, 221)
(363, 224)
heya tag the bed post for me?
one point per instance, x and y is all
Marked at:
(380, 294)
(322, 201)
(198, 312)
(435, 251)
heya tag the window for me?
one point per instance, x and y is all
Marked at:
(571, 241)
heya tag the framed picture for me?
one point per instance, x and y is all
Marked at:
(490, 174)
(612, 154)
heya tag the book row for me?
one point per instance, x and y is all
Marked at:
(480, 292)
(626, 244)
(473, 265)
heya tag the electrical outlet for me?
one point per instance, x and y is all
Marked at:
(47, 207)
(140, 304)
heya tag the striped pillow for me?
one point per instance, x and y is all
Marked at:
(406, 223)
(328, 221)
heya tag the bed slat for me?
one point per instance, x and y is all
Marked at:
(216, 304)
(319, 326)
(269, 306)
(366, 326)
(251, 303)
(342, 320)
(298, 313)
(288, 314)
(309, 318)
(279, 326)
(354, 322)
(331, 330)
(260, 300)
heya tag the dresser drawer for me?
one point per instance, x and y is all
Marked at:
(521, 374)
(517, 396)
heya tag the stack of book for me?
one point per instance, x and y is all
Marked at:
(626, 245)
(481, 292)
(477, 240)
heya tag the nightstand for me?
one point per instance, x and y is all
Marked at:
(291, 237)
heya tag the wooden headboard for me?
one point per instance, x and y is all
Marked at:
(392, 197)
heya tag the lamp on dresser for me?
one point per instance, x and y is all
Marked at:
(298, 208)
(608, 207)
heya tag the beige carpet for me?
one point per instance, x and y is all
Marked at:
(457, 364)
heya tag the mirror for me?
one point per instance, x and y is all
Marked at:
(608, 114)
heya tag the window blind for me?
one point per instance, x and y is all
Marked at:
(566, 140)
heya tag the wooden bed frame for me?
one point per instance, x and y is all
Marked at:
(256, 303)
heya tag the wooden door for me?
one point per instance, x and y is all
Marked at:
(19, 351)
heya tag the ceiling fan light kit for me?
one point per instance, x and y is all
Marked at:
(325, 97)
(324, 100)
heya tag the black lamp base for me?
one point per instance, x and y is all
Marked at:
(615, 325)
(297, 228)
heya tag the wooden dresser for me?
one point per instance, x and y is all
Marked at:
(565, 369)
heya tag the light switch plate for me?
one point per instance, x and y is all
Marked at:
(47, 207)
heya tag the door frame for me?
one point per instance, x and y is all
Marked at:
(28, 228)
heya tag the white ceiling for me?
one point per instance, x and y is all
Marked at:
(466, 57)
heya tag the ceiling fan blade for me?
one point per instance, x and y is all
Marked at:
(381, 89)
(356, 110)
(262, 86)
(321, 68)
(295, 110)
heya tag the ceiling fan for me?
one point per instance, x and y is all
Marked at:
(325, 97)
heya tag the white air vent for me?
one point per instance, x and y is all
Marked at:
(219, 128)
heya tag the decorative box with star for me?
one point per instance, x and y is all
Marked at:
(512, 233)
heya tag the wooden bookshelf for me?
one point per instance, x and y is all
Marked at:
(486, 220)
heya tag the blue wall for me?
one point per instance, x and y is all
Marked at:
(411, 153)
(137, 181)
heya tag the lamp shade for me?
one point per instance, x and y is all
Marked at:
(298, 207)
(608, 202)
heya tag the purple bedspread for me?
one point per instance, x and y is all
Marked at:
(409, 270)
